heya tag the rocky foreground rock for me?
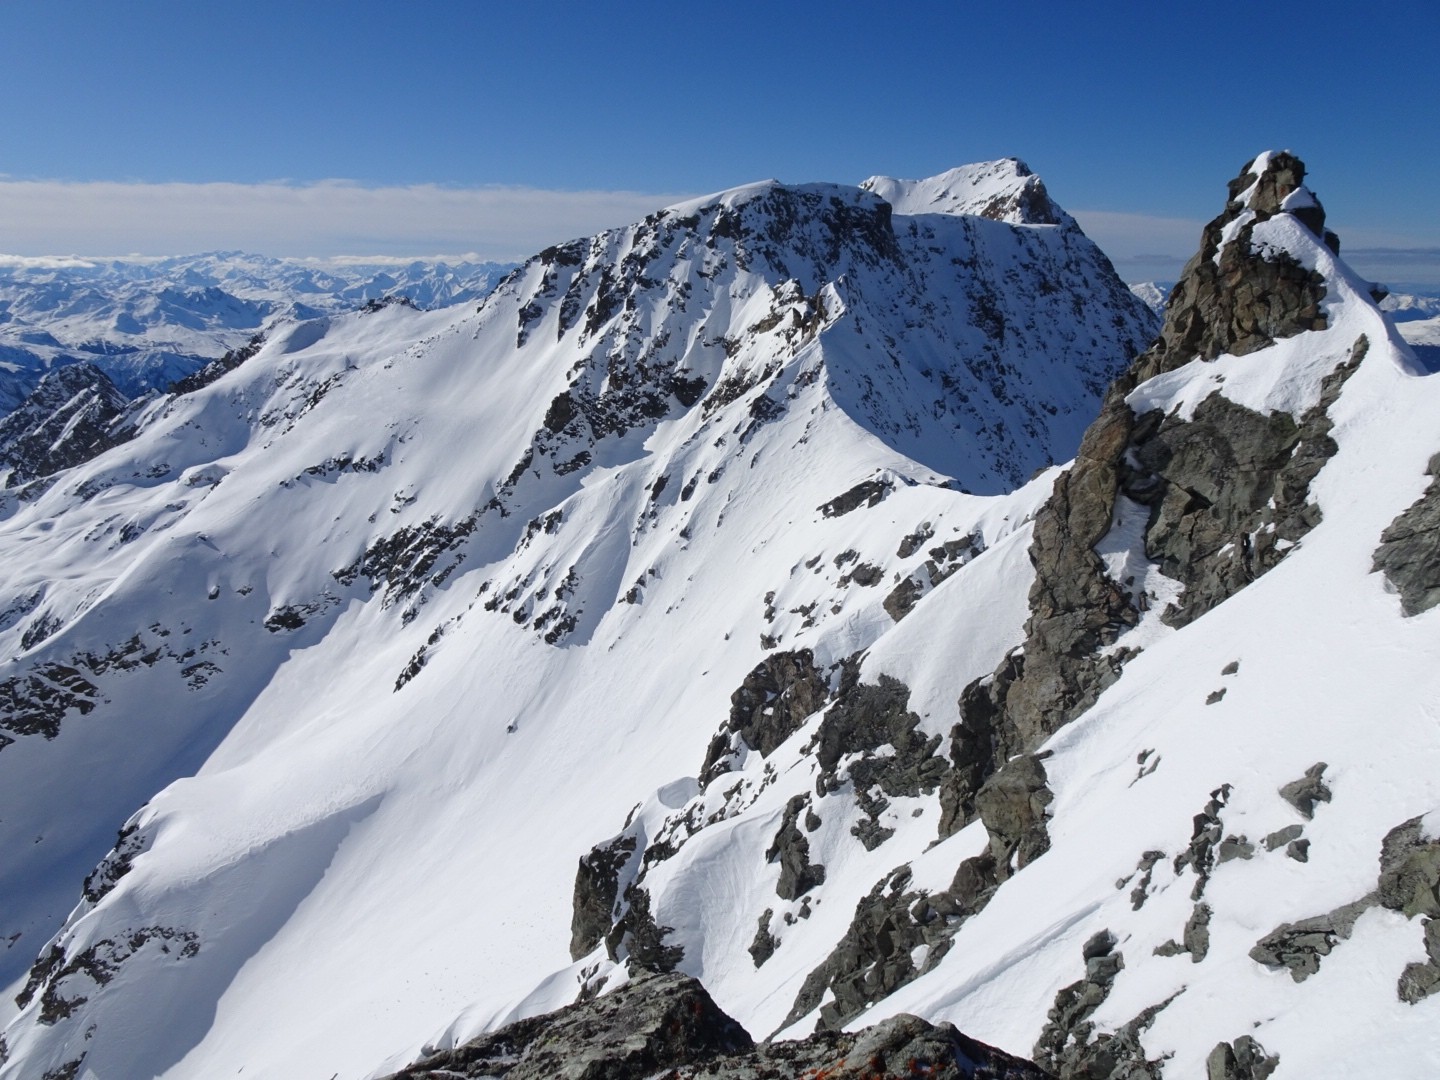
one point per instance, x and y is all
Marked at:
(666, 1027)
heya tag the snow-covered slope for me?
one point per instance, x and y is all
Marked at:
(148, 322)
(363, 645)
(1186, 829)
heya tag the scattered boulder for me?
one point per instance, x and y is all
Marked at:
(1244, 1059)
(865, 493)
(1309, 790)
(1419, 980)
(1410, 871)
(1196, 938)
(765, 943)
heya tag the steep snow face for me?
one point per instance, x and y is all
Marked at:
(146, 323)
(363, 645)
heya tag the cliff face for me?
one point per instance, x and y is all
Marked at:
(1218, 495)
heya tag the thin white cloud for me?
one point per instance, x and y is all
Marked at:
(1143, 247)
(326, 219)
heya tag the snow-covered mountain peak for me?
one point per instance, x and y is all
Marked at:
(1002, 190)
(392, 573)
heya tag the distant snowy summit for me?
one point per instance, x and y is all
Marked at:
(1004, 190)
(146, 322)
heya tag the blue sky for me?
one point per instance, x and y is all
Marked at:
(458, 127)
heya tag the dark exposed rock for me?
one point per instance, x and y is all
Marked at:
(666, 1027)
(63, 981)
(1070, 1046)
(765, 943)
(874, 958)
(1146, 869)
(1242, 301)
(778, 695)
(797, 874)
(1281, 837)
(913, 542)
(117, 863)
(653, 1023)
(406, 560)
(1410, 871)
(37, 700)
(1206, 835)
(69, 1071)
(1301, 945)
(865, 575)
(1012, 806)
(1310, 789)
(944, 560)
(1419, 980)
(1228, 490)
(1196, 938)
(69, 418)
(1408, 882)
(597, 893)
(901, 600)
(1223, 489)
(903, 1047)
(1409, 551)
(1244, 1059)
(863, 719)
(865, 493)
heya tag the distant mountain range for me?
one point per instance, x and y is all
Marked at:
(148, 322)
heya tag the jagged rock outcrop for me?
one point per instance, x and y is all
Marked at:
(1243, 1059)
(1409, 551)
(865, 718)
(1301, 945)
(1225, 491)
(898, 934)
(69, 418)
(768, 707)
(653, 1023)
(597, 892)
(1069, 1044)
(666, 1027)
(1232, 298)
(1408, 883)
